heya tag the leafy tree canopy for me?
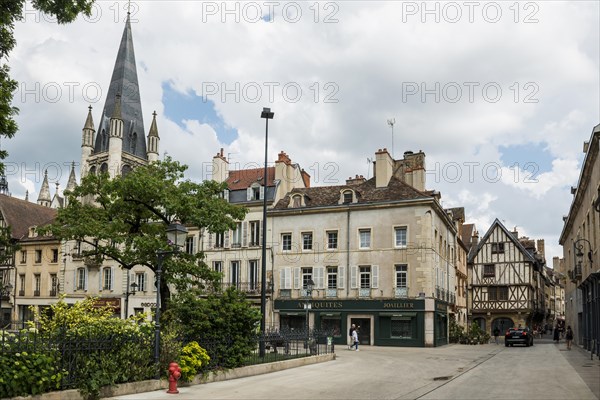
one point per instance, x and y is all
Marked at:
(125, 219)
(11, 11)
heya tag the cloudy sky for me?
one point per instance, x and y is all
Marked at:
(499, 95)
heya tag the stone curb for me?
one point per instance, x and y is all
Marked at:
(151, 385)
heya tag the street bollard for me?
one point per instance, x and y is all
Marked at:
(174, 375)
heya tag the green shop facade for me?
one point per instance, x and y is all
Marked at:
(395, 322)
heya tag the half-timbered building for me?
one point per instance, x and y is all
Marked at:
(503, 281)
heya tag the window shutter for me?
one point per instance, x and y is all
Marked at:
(112, 277)
(394, 282)
(74, 279)
(249, 194)
(319, 277)
(226, 238)
(226, 195)
(245, 234)
(154, 282)
(282, 278)
(296, 277)
(85, 274)
(288, 278)
(341, 278)
(210, 240)
(262, 192)
(100, 273)
(375, 276)
(144, 283)
(353, 277)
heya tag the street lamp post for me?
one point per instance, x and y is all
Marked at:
(578, 246)
(267, 115)
(133, 287)
(309, 289)
(176, 236)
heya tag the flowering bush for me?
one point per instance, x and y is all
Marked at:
(193, 358)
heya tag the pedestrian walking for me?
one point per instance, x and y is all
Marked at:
(350, 338)
(355, 338)
(569, 337)
(556, 334)
(496, 334)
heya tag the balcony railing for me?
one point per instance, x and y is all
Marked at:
(364, 292)
(331, 293)
(285, 293)
(401, 292)
(53, 293)
(21, 293)
(252, 288)
(36, 293)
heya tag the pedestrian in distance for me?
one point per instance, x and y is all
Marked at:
(350, 338)
(496, 334)
(556, 334)
(355, 338)
(569, 337)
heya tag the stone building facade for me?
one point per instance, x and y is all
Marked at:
(580, 239)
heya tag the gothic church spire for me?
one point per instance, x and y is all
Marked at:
(124, 82)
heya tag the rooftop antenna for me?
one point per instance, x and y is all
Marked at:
(369, 162)
(391, 123)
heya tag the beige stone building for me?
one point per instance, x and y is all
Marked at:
(33, 270)
(381, 254)
(580, 239)
(237, 253)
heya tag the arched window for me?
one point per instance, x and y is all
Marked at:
(125, 170)
(104, 168)
(93, 170)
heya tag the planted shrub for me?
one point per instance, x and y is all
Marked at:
(193, 358)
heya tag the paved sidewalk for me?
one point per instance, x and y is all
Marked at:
(487, 372)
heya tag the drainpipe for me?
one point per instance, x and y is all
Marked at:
(348, 252)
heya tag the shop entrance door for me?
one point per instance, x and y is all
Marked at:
(364, 329)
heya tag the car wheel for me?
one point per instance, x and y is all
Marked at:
(506, 344)
(527, 344)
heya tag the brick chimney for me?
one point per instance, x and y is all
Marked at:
(220, 165)
(358, 179)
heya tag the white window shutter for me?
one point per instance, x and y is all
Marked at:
(353, 277)
(249, 194)
(288, 278)
(85, 273)
(296, 277)
(262, 192)
(226, 238)
(341, 278)
(100, 273)
(245, 233)
(282, 278)
(319, 275)
(145, 285)
(112, 277)
(75, 280)
(375, 276)
(210, 241)
(226, 195)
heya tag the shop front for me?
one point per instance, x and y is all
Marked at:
(396, 322)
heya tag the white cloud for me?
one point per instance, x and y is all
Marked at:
(369, 59)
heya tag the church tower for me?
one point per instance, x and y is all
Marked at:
(44, 196)
(119, 144)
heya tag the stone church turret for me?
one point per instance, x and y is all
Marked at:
(44, 197)
(153, 140)
(87, 141)
(115, 140)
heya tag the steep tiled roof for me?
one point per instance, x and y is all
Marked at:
(467, 233)
(20, 215)
(244, 178)
(366, 192)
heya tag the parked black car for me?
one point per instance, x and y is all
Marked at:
(518, 336)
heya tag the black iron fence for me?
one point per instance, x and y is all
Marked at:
(78, 358)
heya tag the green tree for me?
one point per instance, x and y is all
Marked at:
(226, 321)
(125, 219)
(11, 11)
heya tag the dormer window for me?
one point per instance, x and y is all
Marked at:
(347, 197)
(296, 201)
(255, 192)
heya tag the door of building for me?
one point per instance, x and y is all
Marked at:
(364, 329)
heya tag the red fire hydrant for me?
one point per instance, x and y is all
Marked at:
(174, 375)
